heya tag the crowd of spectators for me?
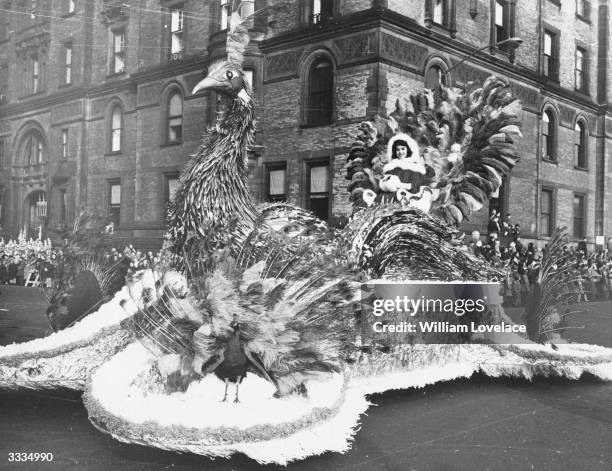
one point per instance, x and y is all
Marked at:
(522, 262)
(23, 260)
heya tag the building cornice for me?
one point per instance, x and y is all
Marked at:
(390, 21)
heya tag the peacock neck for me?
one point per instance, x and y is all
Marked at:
(228, 165)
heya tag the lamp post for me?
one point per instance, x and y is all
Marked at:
(514, 42)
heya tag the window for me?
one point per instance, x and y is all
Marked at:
(549, 136)
(546, 212)
(116, 125)
(579, 213)
(440, 12)
(225, 13)
(68, 64)
(276, 180)
(320, 93)
(434, 77)
(580, 72)
(170, 187)
(583, 9)
(64, 143)
(174, 131)
(248, 78)
(321, 11)
(318, 189)
(34, 75)
(176, 33)
(499, 199)
(71, 6)
(502, 23)
(501, 32)
(114, 201)
(580, 144)
(34, 150)
(63, 205)
(118, 57)
(550, 66)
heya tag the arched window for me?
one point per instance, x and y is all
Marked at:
(33, 149)
(434, 76)
(320, 93)
(549, 136)
(175, 117)
(580, 145)
(116, 128)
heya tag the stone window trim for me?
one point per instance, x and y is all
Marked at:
(169, 92)
(33, 135)
(270, 167)
(114, 104)
(549, 135)
(67, 64)
(580, 219)
(582, 122)
(166, 176)
(441, 14)
(584, 88)
(305, 69)
(585, 14)
(552, 215)
(64, 144)
(70, 8)
(117, 55)
(439, 62)
(114, 200)
(167, 40)
(317, 160)
(554, 65)
(504, 30)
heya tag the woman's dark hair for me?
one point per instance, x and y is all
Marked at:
(400, 142)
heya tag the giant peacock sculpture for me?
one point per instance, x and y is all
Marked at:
(272, 290)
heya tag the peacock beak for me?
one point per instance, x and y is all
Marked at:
(208, 83)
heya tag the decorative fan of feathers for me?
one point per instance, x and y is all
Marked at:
(554, 290)
(467, 138)
(291, 314)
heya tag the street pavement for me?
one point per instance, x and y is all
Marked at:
(473, 424)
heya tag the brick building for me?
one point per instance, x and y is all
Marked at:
(96, 110)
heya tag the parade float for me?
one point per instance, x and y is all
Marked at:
(268, 300)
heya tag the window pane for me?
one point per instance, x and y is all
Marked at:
(277, 182)
(173, 184)
(175, 129)
(316, 7)
(438, 13)
(499, 14)
(318, 179)
(116, 120)
(176, 45)
(176, 105)
(115, 194)
(433, 77)
(176, 21)
(118, 41)
(548, 44)
(248, 78)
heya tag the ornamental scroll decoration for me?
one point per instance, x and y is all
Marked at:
(401, 51)
(280, 65)
(113, 11)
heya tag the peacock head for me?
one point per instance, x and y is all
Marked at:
(226, 78)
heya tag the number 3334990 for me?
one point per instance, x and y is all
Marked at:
(30, 456)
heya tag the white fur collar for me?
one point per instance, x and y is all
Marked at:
(405, 164)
